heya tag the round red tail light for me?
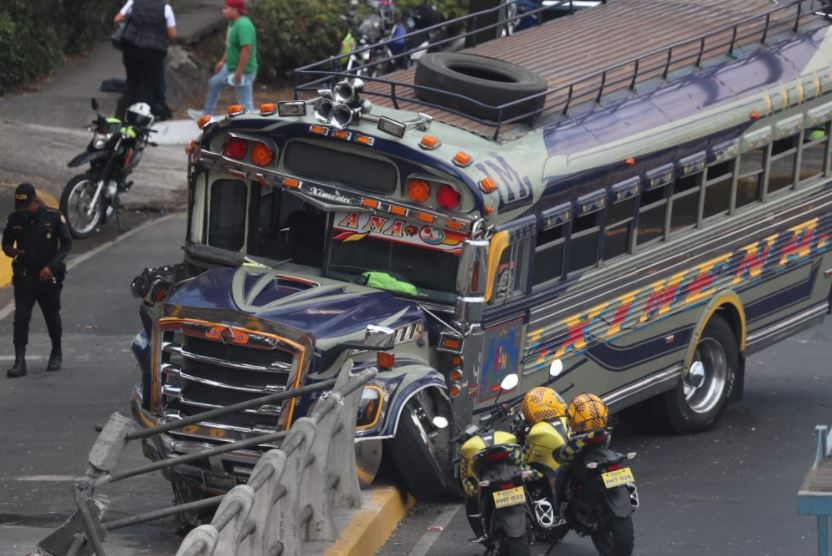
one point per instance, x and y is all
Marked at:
(235, 148)
(447, 197)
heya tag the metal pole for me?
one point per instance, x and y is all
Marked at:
(635, 75)
(765, 30)
(220, 411)
(158, 514)
(733, 41)
(797, 18)
(89, 523)
(187, 458)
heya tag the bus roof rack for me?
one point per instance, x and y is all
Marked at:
(569, 84)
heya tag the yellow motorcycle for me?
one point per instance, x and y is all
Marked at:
(492, 475)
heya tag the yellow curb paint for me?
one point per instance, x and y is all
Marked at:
(371, 526)
(6, 262)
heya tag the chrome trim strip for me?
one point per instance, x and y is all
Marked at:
(812, 312)
(647, 383)
(173, 370)
(174, 392)
(278, 366)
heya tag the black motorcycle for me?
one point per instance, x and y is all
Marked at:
(597, 494)
(116, 148)
(491, 472)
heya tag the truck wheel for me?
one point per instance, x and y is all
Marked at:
(489, 81)
(421, 452)
(701, 396)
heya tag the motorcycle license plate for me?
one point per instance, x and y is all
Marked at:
(617, 478)
(510, 497)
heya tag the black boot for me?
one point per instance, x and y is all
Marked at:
(55, 360)
(19, 367)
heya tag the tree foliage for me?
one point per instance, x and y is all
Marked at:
(36, 34)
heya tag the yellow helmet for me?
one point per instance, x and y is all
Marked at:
(542, 404)
(587, 412)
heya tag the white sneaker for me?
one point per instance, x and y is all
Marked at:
(195, 114)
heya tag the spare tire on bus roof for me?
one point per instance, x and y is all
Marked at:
(490, 81)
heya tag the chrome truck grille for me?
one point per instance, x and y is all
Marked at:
(202, 366)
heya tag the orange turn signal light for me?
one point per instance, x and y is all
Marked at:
(487, 185)
(418, 190)
(319, 129)
(455, 375)
(463, 159)
(429, 142)
(427, 218)
(454, 391)
(451, 343)
(398, 211)
(261, 154)
(341, 134)
(754, 115)
(235, 110)
(369, 203)
(268, 108)
(456, 224)
(385, 359)
(203, 121)
(456, 360)
(291, 183)
(630, 162)
(364, 140)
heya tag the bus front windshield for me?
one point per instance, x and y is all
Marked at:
(361, 243)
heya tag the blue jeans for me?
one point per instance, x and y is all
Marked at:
(243, 91)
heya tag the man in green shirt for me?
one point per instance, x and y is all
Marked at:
(238, 66)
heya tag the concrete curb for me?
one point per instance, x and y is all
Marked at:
(371, 526)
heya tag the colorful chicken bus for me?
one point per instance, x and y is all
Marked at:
(646, 218)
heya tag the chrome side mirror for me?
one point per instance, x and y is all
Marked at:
(556, 368)
(510, 382)
(379, 337)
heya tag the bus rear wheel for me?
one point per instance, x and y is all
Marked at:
(700, 397)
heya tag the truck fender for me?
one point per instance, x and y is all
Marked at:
(413, 379)
(618, 501)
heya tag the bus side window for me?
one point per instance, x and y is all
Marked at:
(813, 152)
(750, 181)
(684, 202)
(783, 159)
(583, 241)
(718, 178)
(618, 231)
(548, 255)
(651, 214)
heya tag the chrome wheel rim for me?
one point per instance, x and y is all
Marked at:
(707, 377)
(77, 204)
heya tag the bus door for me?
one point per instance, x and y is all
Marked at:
(505, 316)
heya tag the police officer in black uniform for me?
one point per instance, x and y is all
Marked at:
(38, 240)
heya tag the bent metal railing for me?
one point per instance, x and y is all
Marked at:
(627, 74)
(287, 500)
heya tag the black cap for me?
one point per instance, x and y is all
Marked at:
(23, 195)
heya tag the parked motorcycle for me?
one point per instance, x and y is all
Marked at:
(598, 494)
(491, 473)
(372, 29)
(595, 493)
(116, 148)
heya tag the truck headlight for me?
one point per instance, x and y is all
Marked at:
(369, 410)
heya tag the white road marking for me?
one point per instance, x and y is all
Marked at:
(9, 308)
(429, 538)
(28, 357)
(50, 478)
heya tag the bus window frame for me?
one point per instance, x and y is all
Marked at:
(641, 208)
(694, 165)
(624, 191)
(586, 205)
(825, 162)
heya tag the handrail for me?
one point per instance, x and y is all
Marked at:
(114, 436)
(581, 90)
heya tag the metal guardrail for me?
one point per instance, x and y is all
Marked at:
(287, 500)
(623, 75)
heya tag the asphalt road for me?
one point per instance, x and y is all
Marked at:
(48, 419)
(729, 491)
